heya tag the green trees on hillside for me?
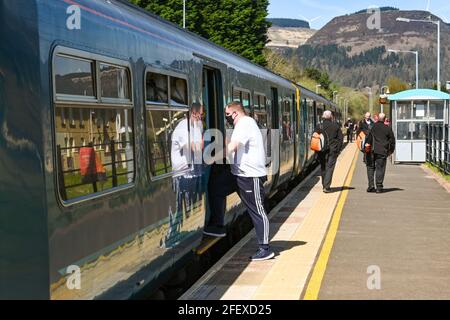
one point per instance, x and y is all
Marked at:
(238, 25)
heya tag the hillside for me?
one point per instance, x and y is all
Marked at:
(288, 23)
(288, 37)
(357, 56)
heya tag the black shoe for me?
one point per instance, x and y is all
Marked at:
(214, 231)
(371, 189)
(326, 190)
(380, 190)
(262, 254)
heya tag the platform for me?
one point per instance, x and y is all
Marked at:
(327, 245)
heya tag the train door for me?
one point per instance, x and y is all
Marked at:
(275, 137)
(212, 92)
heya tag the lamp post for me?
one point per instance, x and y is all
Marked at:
(384, 94)
(417, 62)
(438, 24)
(317, 88)
(370, 100)
(184, 14)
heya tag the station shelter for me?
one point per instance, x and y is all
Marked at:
(411, 112)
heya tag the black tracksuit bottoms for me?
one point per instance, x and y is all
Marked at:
(327, 164)
(376, 167)
(251, 192)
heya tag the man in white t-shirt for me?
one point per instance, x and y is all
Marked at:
(186, 145)
(247, 177)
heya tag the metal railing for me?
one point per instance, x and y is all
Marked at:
(93, 177)
(438, 146)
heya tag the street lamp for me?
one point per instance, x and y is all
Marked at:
(370, 99)
(317, 88)
(438, 23)
(384, 94)
(184, 14)
(417, 62)
(334, 92)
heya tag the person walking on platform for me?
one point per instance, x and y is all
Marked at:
(349, 125)
(247, 177)
(365, 125)
(382, 142)
(333, 145)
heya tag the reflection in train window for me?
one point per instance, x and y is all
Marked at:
(168, 125)
(94, 157)
(74, 76)
(287, 121)
(94, 144)
(178, 92)
(159, 133)
(157, 88)
(168, 141)
(114, 82)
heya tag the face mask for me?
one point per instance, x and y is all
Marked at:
(230, 119)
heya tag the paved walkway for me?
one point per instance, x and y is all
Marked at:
(297, 227)
(349, 244)
(402, 235)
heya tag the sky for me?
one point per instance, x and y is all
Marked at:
(320, 12)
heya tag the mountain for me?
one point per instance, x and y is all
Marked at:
(353, 49)
(288, 33)
(288, 23)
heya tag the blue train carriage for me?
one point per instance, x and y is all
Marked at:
(78, 231)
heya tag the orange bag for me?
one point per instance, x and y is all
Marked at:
(317, 142)
(361, 143)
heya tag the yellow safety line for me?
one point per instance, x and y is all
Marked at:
(315, 282)
(204, 247)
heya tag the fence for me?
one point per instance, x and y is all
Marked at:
(438, 146)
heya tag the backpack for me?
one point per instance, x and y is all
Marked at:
(319, 143)
(361, 141)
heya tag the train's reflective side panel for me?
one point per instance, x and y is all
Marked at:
(104, 199)
(23, 215)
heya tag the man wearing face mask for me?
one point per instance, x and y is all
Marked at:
(247, 177)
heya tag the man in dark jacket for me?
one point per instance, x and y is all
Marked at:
(365, 124)
(349, 125)
(382, 141)
(333, 144)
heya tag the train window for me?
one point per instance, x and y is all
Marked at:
(178, 92)
(157, 88)
(237, 95)
(168, 132)
(287, 121)
(74, 76)
(114, 82)
(159, 135)
(98, 157)
(168, 141)
(94, 143)
(246, 100)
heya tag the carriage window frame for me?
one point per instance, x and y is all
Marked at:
(164, 106)
(241, 99)
(65, 101)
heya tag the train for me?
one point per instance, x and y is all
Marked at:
(90, 93)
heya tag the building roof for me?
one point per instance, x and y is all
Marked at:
(419, 94)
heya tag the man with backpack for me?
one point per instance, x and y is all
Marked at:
(382, 142)
(333, 140)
